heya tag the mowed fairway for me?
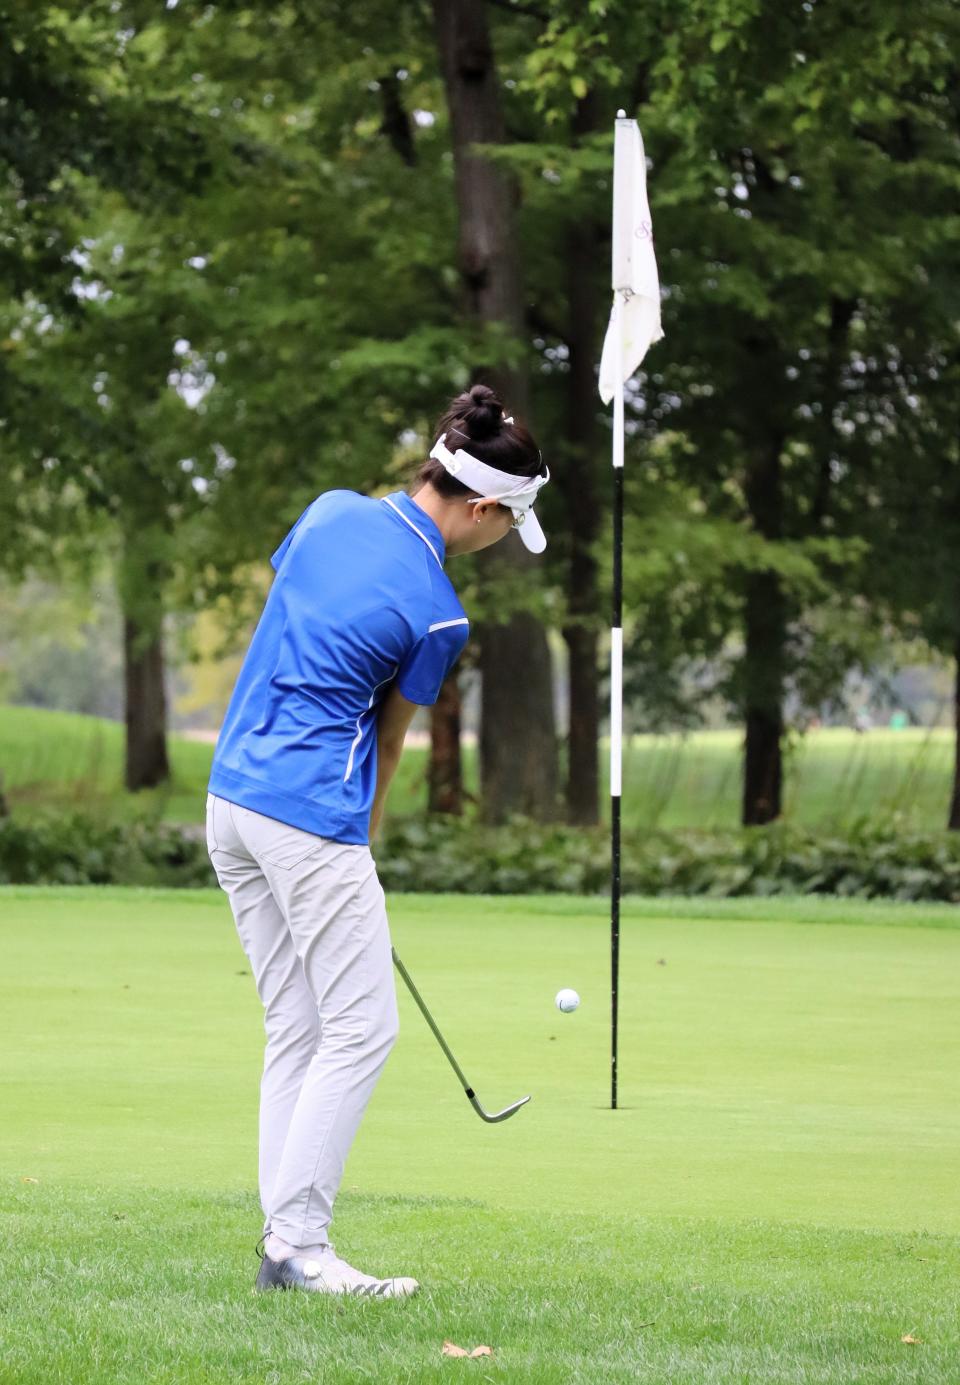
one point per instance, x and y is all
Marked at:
(779, 1199)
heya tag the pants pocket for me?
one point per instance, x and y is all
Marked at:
(272, 841)
(211, 823)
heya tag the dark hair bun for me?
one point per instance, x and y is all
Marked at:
(481, 410)
(474, 421)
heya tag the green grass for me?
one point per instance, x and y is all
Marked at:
(776, 1202)
(65, 760)
(832, 777)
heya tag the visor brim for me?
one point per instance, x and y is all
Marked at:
(531, 533)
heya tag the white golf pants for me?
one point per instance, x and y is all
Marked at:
(312, 920)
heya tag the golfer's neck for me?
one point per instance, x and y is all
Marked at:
(434, 505)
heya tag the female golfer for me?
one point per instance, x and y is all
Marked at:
(361, 627)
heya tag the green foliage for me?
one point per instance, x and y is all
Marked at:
(803, 188)
(58, 649)
(439, 855)
(78, 850)
(93, 149)
(526, 858)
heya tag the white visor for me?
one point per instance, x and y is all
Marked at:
(518, 493)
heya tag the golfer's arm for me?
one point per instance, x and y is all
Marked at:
(396, 714)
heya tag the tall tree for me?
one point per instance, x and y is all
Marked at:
(791, 221)
(197, 317)
(80, 126)
(914, 570)
(579, 478)
(518, 751)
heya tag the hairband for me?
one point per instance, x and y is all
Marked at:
(519, 492)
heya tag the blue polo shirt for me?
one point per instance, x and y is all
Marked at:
(360, 601)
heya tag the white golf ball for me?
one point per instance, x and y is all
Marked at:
(567, 1000)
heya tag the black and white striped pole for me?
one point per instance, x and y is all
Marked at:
(616, 705)
(634, 326)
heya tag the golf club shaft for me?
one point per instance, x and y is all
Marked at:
(429, 1018)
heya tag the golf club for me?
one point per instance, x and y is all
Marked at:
(491, 1117)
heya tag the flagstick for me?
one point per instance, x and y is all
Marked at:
(635, 287)
(616, 702)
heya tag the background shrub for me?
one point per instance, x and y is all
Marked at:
(446, 855)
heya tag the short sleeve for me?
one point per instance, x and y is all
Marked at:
(421, 674)
(277, 558)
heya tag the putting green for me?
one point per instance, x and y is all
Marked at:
(795, 1060)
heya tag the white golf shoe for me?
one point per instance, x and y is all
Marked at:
(324, 1272)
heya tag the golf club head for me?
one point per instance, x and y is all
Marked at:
(493, 1117)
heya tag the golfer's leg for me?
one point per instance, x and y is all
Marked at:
(290, 1016)
(335, 908)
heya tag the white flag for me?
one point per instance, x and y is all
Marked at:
(634, 263)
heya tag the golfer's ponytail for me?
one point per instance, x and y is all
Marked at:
(476, 421)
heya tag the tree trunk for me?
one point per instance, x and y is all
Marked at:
(518, 751)
(146, 706)
(445, 771)
(578, 479)
(765, 621)
(954, 821)
(763, 676)
(143, 570)
(486, 197)
(582, 789)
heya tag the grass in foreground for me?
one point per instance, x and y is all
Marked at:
(776, 1203)
(105, 1286)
